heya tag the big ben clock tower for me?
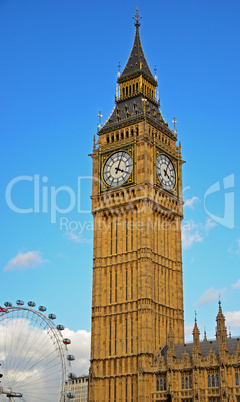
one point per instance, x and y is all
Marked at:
(137, 296)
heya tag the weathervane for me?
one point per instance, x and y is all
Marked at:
(137, 18)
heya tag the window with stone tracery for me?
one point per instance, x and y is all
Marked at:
(186, 381)
(213, 379)
(161, 383)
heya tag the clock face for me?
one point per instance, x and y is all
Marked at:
(165, 172)
(117, 169)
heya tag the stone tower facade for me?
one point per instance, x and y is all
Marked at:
(137, 296)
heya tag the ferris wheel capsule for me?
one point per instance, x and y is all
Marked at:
(20, 302)
(8, 304)
(71, 395)
(31, 304)
(42, 308)
(60, 327)
(52, 316)
(71, 376)
(66, 341)
(70, 357)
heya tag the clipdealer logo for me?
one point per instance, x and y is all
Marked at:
(47, 199)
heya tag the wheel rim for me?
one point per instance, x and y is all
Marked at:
(32, 355)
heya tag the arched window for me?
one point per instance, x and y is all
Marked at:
(137, 131)
(122, 135)
(137, 86)
(133, 88)
(126, 91)
(112, 138)
(132, 132)
(164, 384)
(190, 381)
(130, 89)
(157, 385)
(117, 137)
(217, 380)
(123, 92)
(182, 382)
(209, 380)
(108, 139)
(237, 379)
(127, 134)
(213, 380)
(161, 385)
(186, 382)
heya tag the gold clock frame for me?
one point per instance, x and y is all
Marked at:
(104, 156)
(158, 152)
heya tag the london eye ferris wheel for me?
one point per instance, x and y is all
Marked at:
(34, 361)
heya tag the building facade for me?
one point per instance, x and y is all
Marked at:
(137, 345)
(79, 387)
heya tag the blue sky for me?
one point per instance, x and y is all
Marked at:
(59, 63)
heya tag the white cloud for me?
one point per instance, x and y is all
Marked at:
(80, 348)
(190, 234)
(191, 202)
(195, 233)
(210, 295)
(235, 249)
(188, 332)
(236, 285)
(78, 238)
(210, 224)
(23, 261)
(189, 238)
(233, 319)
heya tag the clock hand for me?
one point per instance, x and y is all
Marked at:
(119, 161)
(119, 170)
(166, 174)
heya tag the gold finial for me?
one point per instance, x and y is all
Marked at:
(137, 18)
(195, 317)
(99, 122)
(119, 72)
(144, 100)
(174, 122)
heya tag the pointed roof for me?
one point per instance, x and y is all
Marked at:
(221, 328)
(137, 63)
(196, 331)
(205, 347)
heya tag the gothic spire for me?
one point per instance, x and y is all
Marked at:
(221, 332)
(196, 343)
(137, 63)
